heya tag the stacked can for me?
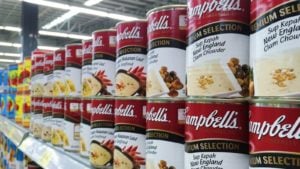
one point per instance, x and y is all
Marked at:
(58, 100)
(102, 82)
(47, 99)
(274, 54)
(37, 91)
(167, 29)
(87, 75)
(217, 67)
(73, 64)
(130, 103)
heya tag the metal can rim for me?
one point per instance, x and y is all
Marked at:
(73, 44)
(217, 100)
(165, 100)
(130, 98)
(102, 98)
(87, 40)
(104, 30)
(138, 20)
(275, 100)
(60, 49)
(166, 7)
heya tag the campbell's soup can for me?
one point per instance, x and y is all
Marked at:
(46, 119)
(274, 133)
(130, 133)
(104, 57)
(87, 69)
(131, 58)
(57, 127)
(216, 133)
(165, 134)
(59, 73)
(32, 96)
(102, 132)
(85, 126)
(32, 109)
(275, 47)
(73, 64)
(167, 30)
(218, 48)
(38, 88)
(71, 134)
(38, 117)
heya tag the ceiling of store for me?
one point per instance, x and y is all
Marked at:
(81, 24)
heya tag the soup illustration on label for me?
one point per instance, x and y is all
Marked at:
(102, 133)
(165, 134)
(218, 48)
(216, 134)
(59, 73)
(104, 57)
(131, 58)
(167, 29)
(130, 134)
(87, 69)
(274, 48)
(73, 62)
(274, 139)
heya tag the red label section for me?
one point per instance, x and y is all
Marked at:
(58, 106)
(72, 110)
(48, 63)
(74, 55)
(274, 129)
(103, 110)
(59, 58)
(47, 104)
(104, 42)
(259, 7)
(87, 50)
(86, 105)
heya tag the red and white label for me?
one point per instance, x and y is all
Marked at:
(167, 30)
(59, 73)
(131, 58)
(274, 137)
(104, 57)
(57, 126)
(218, 133)
(48, 75)
(85, 127)
(165, 133)
(73, 61)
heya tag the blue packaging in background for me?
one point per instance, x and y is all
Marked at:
(5, 80)
(13, 78)
(3, 104)
(10, 106)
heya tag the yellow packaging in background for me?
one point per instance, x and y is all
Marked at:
(20, 85)
(19, 107)
(26, 74)
(26, 109)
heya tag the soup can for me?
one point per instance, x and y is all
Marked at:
(102, 132)
(274, 48)
(59, 73)
(73, 64)
(104, 57)
(166, 58)
(131, 58)
(85, 126)
(57, 127)
(274, 133)
(216, 133)
(165, 133)
(218, 48)
(130, 133)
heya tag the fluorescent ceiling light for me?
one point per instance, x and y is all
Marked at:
(48, 48)
(11, 28)
(49, 4)
(11, 54)
(18, 45)
(92, 2)
(60, 19)
(9, 61)
(81, 10)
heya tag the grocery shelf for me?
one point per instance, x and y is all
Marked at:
(44, 154)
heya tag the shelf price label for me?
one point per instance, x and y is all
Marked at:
(45, 158)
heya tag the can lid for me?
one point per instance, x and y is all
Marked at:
(104, 30)
(166, 7)
(130, 98)
(275, 100)
(138, 20)
(60, 49)
(73, 44)
(217, 100)
(87, 40)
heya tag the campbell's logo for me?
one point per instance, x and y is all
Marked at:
(39, 63)
(57, 105)
(127, 110)
(39, 103)
(87, 49)
(159, 24)
(276, 129)
(134, 33)
(106, 109)
(158, 116)
(215, 5)
(227, 121)
(58, 57)
(47, 104)
(49, 62)
(98, 41)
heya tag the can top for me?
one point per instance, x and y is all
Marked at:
(73, 44)
(130, 98)
(137, 20)
(216, 100)
(102, 97)
(275, 100)
(60, 49)
(166, 7)
(104, 30)
(87, 40)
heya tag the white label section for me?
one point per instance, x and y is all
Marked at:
(72, 131)
(108, 78)
(46, 128)
(87, 80)
(170, 61)
(32, 122)
(37, 130)
(48, 87)
(125, 142)
(58, 131)
(73, 82)
(211, 63)
(275, 58)
(85, 134)
(161, 151)
(216, 160)
(130, 69)
(102, 134)
(58, 83)
(39, 85)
